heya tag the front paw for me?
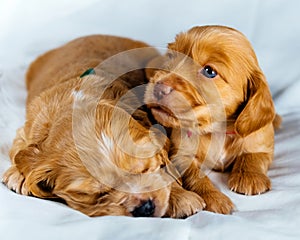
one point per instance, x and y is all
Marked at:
(184, 203)
(14, 180)
(217, 202)
(249, 183)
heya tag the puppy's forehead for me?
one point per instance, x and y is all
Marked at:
(214, 44)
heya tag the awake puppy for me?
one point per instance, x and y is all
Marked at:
(80, 143)
(213, 95)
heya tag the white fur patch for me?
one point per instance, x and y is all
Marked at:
(106, 145)
(221, 162)
(223, 156)
(78, 95)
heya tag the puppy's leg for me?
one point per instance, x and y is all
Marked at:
(249, 174)
(196, 181)
(18, 144)
(17, 175)
(183, 203)
(12, 178)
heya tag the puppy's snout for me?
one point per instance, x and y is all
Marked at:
(146, 209)
(161, 90)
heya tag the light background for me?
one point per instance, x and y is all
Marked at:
(29, 28)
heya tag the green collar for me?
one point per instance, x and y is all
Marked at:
(88, 72)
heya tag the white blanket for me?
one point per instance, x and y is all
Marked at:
(28, 28)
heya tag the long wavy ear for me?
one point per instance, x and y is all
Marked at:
(259, 108)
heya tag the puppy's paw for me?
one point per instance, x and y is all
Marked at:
(249, 183)
(217, 202)
(14, 180)
(184, 203)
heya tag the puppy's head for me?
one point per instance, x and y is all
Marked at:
(102, 170)
(208, 70)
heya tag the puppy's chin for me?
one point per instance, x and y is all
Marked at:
(165, 117)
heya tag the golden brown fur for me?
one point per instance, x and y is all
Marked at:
(220, 109)
(74, 145)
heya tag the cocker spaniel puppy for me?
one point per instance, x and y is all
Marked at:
(211, 92)
(83, 144)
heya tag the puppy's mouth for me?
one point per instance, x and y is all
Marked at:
(164, 115)
(163, 111)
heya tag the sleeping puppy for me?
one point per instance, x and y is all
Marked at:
(212, 93)
(83, 145)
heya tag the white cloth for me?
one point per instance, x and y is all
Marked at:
(29, 28)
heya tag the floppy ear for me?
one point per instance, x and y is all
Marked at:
(39, 178)
(259, 108)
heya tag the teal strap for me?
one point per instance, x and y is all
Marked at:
(88, 72)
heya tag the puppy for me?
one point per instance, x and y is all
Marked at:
(83, 145)
(215, 98)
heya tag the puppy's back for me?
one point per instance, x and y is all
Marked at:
(75, 57)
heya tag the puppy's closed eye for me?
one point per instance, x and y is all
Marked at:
(45, 186)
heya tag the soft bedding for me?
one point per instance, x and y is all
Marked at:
(28, 28)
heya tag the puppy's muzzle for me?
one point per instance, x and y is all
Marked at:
(161, 90)
(146, 209)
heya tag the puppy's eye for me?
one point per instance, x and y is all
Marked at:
(208, 72)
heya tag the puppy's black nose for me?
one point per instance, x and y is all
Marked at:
(146, 209)
(161, 90)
